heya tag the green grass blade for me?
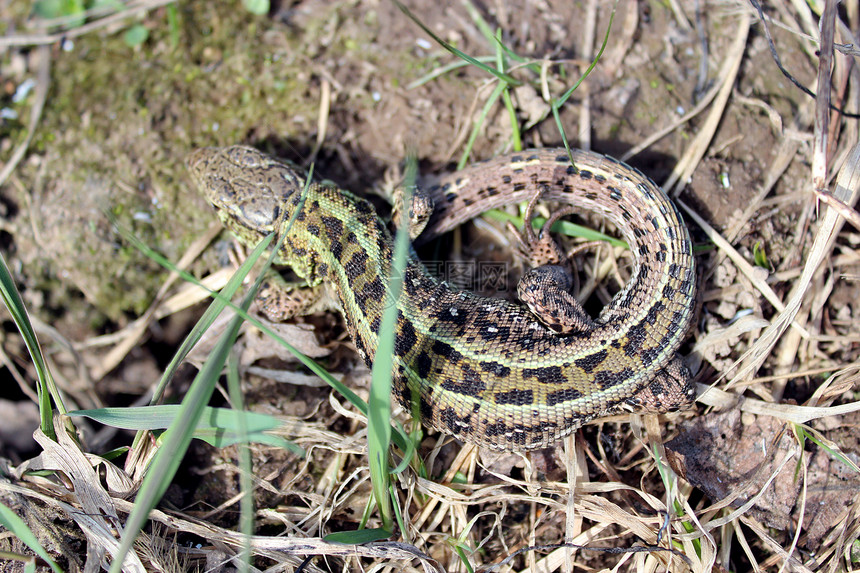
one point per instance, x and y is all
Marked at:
(379, 403)
(357, 536)
(495, 39)
(173, 25)
(219, 427)
(488, 105)
(596, 59)
(398, 515)
(46, 387)
(501, 89)
(803, 432)
(246, 484)
(516, 139)
(221, 300)
(178, 437)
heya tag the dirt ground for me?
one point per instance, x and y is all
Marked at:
(691, 88)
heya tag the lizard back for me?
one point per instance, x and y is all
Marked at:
(483, 369)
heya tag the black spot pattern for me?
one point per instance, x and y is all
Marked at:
(406, 337)
(456, 425)
(576, 420)
(635, 338)
(559, 396)
(656, 309)
(501, 429)
(605, 380)
(425, 408)
(668, 292)
(452, 314)
(592, 361)
(499, 370)
(356, 267)
(547, 374)
(423, 364)
(374, 289)
(515, 398)
(362, 349)
(333, 228)
(472, 388)
(336, 248)
(446, 351)
(492, 332)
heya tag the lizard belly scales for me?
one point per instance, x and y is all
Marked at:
(486, 370)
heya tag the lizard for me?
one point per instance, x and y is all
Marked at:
(496, 373)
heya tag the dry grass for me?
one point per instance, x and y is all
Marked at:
(606, 499)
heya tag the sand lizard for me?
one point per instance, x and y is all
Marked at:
(488, 371)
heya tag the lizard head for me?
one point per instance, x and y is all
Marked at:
(247, 188)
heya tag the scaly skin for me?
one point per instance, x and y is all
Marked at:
(486, 370)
